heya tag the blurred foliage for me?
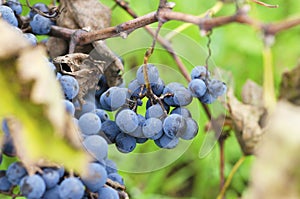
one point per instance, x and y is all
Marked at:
(236, 48)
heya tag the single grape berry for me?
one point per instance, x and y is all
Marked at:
(125, 143)
(51, 177)
(107, 193)
(8, 15)
(39, 6)
(216, 88)
(166, 142)
(95, 178)
(31, 38)
(152, 128)
(71, 188)
(191, 129)
(32, 187)
(15, 5)
(70, 86)
(40, 25)
(197, 87)
(174, 125)
(200, 72)
(5, 185)
(153, 74)
(52, 193)
(96, 146)
(116, 178)
(15, 172)
(111, 130)
(127, 120)
(89, 123)
(182, 111)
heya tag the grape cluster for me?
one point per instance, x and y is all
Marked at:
(56, 182)
(38, 24)
(166, 118)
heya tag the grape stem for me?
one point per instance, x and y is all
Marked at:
(167, 14)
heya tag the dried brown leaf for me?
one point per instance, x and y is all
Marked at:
(84, 68)
(247, 120)
(290, 86)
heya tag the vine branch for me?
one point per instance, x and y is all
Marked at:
(167, 14)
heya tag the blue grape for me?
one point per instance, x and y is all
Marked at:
(107, 193)
(89, 123)
(95, 178)
(113, 98)
(31, 38)
(102, 114)
(158, 87)
(15, 172)
(39, 6)
(155, 111)
(50, 64)
(153, 74)
(61, 171)
(96, 146)
(181, 111)
(110, 167)
(70, 86)
(199, 72)
(71, 188)
(116, 177)
(127, 120)
(152, 127)
(166, 142)
(197, 87)
(181, 96)
(216, 88)
(102, 86)
(141, 140)
(86, 107)
(52, 193)
(8, 15)
(207, 98)
(125, 143)
(191, 129)
(166, 106)
(40, 25)
(32, 187)
(15, 5)
(5, 185)
(111, 130)
(51, 177)
(135, 89)
(138, 133)
(173, 125)
(8, 147)
(69, 106)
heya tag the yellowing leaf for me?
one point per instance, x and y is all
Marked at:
(31, 99)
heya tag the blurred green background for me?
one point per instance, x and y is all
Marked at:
(237, 49)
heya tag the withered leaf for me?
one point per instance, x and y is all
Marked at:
(89, 15)
(84, 68)
(290, 86)
(246, 119)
